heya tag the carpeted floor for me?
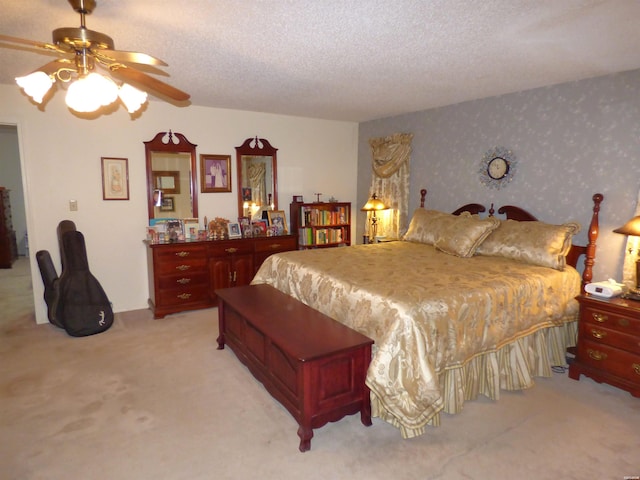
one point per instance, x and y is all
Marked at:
(154, 399)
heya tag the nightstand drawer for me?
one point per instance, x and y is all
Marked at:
(608, 347)
(611, 320)
(606, 336)
(604, 357)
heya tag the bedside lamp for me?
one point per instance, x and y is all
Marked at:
(632, 228)
(373, 205)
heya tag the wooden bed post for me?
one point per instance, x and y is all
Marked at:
(590, 252)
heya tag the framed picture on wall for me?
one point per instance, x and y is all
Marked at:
(115, 178)
(215, 173)
(167, 181)
(167, 205)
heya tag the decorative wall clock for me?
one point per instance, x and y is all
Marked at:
(497, 167)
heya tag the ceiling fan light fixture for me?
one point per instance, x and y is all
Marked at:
(36, 85)
(89, 93)
(131, 97)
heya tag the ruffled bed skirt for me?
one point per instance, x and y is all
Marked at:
(511, 367)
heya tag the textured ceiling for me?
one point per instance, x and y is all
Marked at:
(352, 60)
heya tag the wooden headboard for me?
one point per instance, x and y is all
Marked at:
(516, 213)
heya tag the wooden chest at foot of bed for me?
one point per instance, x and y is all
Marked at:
(313, 365)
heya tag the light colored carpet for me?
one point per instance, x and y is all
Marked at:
(154, 399)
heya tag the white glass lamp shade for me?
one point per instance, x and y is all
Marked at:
(36, 85)
(89, 93)
(132, 97)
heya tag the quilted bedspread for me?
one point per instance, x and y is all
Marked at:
(427, 311)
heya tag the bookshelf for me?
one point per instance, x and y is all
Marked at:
(321, 224)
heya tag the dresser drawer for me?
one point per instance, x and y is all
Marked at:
(276, 244)
(180, 253)
(604, 357)
(191, 266)
(183, 280)
(182, 296)
(610, 320)
(223, 249)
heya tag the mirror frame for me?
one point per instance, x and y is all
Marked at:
(176, 143)
(261, 148)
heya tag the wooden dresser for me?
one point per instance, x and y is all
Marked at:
(185, 275)
(8, 244)
(608, 347)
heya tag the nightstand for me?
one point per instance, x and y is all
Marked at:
(608, 347)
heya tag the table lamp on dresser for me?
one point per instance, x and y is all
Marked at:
(632, 229)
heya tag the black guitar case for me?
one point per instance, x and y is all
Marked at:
(75, 301)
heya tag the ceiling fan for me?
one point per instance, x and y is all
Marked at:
(82, 50)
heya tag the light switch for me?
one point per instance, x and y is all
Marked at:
(73, 205)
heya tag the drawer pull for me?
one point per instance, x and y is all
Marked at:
(598, 333)
(274, 246)
(184, 296)
(623, 322)
(182, 254)
(596, 355)
(183, 281)
(231, 250)
(599, 317)
(636, 368)
(182, 268)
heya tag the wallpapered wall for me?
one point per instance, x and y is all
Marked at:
(571, 141)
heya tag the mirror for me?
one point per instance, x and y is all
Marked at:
(171, 176)
(257, 178)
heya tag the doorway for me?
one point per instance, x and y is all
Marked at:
(11, 178)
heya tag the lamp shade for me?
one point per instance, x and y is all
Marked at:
(36, 85)
(632, 227)
(374, 204)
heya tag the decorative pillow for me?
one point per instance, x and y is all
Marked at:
(461, 235)
(423, 227)
(536, 243)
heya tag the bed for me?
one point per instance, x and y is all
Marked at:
(466, 304)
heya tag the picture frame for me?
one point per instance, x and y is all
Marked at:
(168, 204)
(234, 230)
(245, 226)
(215, 173)
(167, 180)
(115, 178)
(278, 218)
(191, 226)
(259, 228)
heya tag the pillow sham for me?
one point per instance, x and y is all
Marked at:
(461, 235)
(423, 227)
(536, 243)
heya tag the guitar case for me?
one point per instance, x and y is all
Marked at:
(75, 301)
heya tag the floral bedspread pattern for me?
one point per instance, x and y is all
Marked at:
(427, 312)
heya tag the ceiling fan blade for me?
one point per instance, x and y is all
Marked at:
(135, 76)
(31, 43)
(131, 57)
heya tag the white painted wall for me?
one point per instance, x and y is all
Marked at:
(61, 153)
